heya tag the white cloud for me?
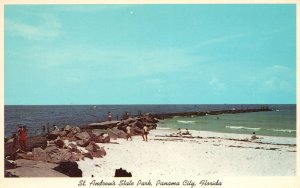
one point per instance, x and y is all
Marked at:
(217, 84)
(49, 27)
(93, 8)
(218, 40)
(122, 63)
(278, 78)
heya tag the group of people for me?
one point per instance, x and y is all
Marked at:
(144, 133)
(19, 139)
(179, 133)
(55, 128)
(124, 116)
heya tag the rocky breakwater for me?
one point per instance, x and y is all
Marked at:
(213, 112)
(117, 129)
(62, 148)
(56, 153)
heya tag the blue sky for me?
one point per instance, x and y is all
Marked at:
(150, 54)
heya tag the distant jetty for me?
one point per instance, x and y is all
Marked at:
(213, 112)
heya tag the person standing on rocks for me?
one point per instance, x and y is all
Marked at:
(109, 116)
(125, 116)
(55, 128)
(48, 127)
(129, 132)
(23, 138)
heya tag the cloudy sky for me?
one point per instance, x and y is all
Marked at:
(150, 54)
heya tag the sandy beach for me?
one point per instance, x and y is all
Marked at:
(212, 154)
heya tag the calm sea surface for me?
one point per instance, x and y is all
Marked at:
(280, 122)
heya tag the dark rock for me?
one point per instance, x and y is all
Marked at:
(92, 147)
(83, 143)
(99, 153)
(67, 128)
(39, 154)
(95, 150)
(70, 134)
(83, 136)
(62, 133)
(35, 142)
(65, 155)
(53, 135)
(100, 139)
(88, 155)
(99, 132)
(116, 133)
(51, 149)
(25, 156)
(129, 120)
(59, 143)
(76, 156)
(10, 149)
(106, 138)
(69, 168)
(73, 148)
(95, 138)
(102, 125)
(9, 165)
(54, 158)
(9, 175)
(122, 173)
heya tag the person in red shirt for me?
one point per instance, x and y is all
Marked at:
(23, 138)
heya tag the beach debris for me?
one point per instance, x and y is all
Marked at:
(122, 173)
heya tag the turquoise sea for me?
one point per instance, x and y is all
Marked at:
(274, 123)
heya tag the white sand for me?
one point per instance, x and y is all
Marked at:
(169, 157)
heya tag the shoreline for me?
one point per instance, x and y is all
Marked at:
(99, 152)
(206, 156)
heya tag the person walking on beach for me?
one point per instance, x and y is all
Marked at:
(129, 132)
(145, 133)
(23, 138)
(44, 128)
(109, 116)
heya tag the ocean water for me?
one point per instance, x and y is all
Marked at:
(274, 123)
(280, 122)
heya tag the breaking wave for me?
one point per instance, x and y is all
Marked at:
(282, 130)
(185, 122)
(241, 127)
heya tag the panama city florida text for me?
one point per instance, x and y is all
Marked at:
(147, 183)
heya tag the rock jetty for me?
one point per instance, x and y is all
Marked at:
(59, 150)
(56, 153)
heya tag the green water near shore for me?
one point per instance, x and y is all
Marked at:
(273, 123)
